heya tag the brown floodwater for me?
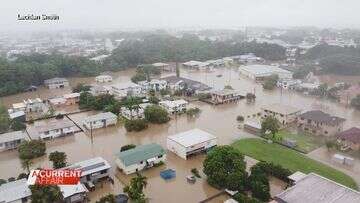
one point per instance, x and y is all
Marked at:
(219, 120)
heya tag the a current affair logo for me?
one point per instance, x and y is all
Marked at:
(54, 177)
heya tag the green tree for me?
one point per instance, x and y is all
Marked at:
(156, 114)
(45, 193)
(58, 159)
(80, 87)
(270, 82)
(4, 119)
(110, 198)
(17, 125)
(29, 150)
(154, 100)
(355, 102)
(270, 124)
(2, 181)
(135, 125)
(127, 147)
(136, 187)
(225, 167)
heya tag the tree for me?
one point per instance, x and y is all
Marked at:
(45, 193)
(136, 187)
(80, 87)
(4, 119)
(250, 97)
(58, 159)
(240, 118)
(270, 124)
(2, 181)
(127, 147)
(270, 82)
(156, 114)
(225, 168)
(110, 198)
(154, 100)
(29, 150)
(355, 102)
(193, 111)
(22, 175)
(135, 125)
(18, 125)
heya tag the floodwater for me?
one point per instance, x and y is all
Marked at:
(219, 120)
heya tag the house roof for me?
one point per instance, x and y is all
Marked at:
(319, 116)
(90, 166)
(52, 80)
(191, 83)
(57, 100)
(125, 85)
(191, 137)
(352, 134)
(16, 114)
(225, 92)
(263, 70)
(54, 125)
(100, 116)
(160, 64)
(317, 189)
(281, 108)
(174, 103)
(15, 190)
(140, 153)
(71, 95)
(11, 136)
(70, 190)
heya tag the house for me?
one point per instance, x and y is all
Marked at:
(249, 58)
(17, 191)
(122, 90)
(190, 142)
(18, 107)
(101, 120)
(34, 105)
(18, 116)
(72, 98)
(349, 138)
(179, 83)
(176, 106)
(92, 170)
(307, 87)
(163, 66)
(58, 101)
(288, 83)
(55, 83)
(97, 90)
(100, 58)
(314, 188)
(74, 193)
(154, 84)
(260, 72)
(320, 123)
(225, 96)
(140, 157)
(285, 114)
(196, 65)
(11, 140)
(347, 95)
(56, 128)
(137, 112)
(103, 78)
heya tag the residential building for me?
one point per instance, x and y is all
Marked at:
(56, 83)
(140, 157)
(72, 98)
(122, 90)
(196, 65)
(11, 140)
(320, 123)
(347, 95)
(18, 107)
(99, 58)
(18, 116)
(103, 78)
(349, 138)
(285, 114)
(34, 105)
(163, 66)
(58, 101)
(307, 87)
(136, 112)
(176, 106)
(225, 96)
(101, 120)
(314, 188)
(17, 191)
(92, 170)
(288, 83)
(260, 72)
(190, 142)
(179, 83)
(56, 128)
(97, 90)
(249, 58)
(154, 84)
(74, 193)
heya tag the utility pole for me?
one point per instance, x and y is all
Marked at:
(91, 133)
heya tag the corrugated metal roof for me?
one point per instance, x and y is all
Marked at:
(140, 153)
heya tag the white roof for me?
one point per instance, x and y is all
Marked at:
(90, 166)
(100, 116)
(71, 95)
(263, 70)
(15, 190)
(297, 176)
(103, 76)
(231, 200)
(281, 108)
(69, 190)
(309, 85)
(19, 105)
(16, 114)
(125, 85)
(195, 63)
(11, 136)
(191, 137)
(57, 100)
(173, 103)
(160, 64)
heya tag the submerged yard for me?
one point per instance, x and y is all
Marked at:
(261, 150)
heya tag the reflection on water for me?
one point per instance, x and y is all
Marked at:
(219, 120)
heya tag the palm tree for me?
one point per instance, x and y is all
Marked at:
(26, 163)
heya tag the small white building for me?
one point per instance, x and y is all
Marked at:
(56, 128)
(56, 83)
(134, 113)
(140, 157)
(175, 106)
(103, 78)
(125, 89)
(11, 140)
(72, 98)
(285, 114)
(97, 90)
(17, 107)
(190, 142)
(34, 105)
(58, 101)
(288, 83)
(260, 72)
(163, 66)
(154, 84)
(196, 65)
(101, 120)
(17, 191)
(73, 193)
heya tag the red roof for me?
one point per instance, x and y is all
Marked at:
(352, 134)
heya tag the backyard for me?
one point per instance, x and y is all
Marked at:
(304, 142)
(271, 152)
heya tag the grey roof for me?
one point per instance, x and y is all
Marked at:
(11, 136)
(16, 190)
(320, 116)
(90, 166)
(52, 80)
(191, 83)
(316, 189)
(100, 116)
(54, 125)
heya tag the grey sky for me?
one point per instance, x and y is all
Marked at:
(142, 14)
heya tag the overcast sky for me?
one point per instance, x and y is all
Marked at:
(144, 14)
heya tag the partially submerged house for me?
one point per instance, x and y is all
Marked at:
(34, 105)
(198, 65)
(55, 83)
(140, 157)
(17, 191)
(260, 72)
(101, 120)
(225, 96)
(72, 98)
(285, 114)
(179, 83)
(313, 188)
(349, 139)
(162, 66)
(12, 140)
(57, 101)
(320, 123)
(56, 128)
(122, 90)
(97, 90)
(135, 112)
(103, 78)
(74, 193)
(190, 142)
(154, 84)
(176, 106)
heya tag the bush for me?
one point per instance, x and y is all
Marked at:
(193, 111)
(270, 82)
(156, 114)
(31, 149)
(242, 198)
(17, 125)
(127, 147)
(11, 179)
(274, 170)
(240, 118)
(154, 100)
(135, 125)
(59, 116)
(195, 172)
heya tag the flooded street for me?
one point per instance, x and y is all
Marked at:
(219, 120)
